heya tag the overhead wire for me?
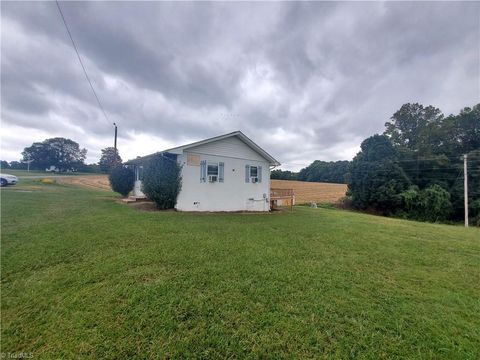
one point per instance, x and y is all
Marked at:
(80, 60)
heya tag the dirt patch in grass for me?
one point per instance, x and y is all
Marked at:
(146, 206)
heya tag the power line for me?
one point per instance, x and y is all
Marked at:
(450, 161)
(80, 60)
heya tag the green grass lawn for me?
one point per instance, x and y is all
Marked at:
(86, 277)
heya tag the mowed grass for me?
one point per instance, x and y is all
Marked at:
(84, 276)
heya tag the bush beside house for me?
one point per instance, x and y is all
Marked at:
(162, 181)
(122, 180)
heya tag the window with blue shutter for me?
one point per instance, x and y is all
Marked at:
(247, 173)
(221, 171)
(203, 171)
(259, 174)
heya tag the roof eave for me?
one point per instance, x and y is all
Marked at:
(179, 149)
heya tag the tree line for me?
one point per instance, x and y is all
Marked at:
(414, 169)
(62, 155)
(317, 171)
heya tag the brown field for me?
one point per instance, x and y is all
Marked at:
(99, 182)
(306, 192)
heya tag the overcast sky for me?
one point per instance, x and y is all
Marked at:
(305, 81)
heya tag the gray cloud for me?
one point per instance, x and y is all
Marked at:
(305, 80)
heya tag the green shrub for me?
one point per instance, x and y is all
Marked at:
(435, 203)
(162, 181)
(410, 199)
(430, 204)
(474, 212)
(122, 180)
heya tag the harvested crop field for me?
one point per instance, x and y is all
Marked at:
(98, 182)
(306, 192)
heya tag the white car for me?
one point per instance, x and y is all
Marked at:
(7, 179)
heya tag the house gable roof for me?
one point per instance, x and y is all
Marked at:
(239, 134)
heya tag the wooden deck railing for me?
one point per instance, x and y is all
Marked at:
(281, 194)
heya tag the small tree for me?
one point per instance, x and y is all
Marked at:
(109, 159)
(4, 164)
(122, 180)
(430, 204)
(435, 203)
(162, 181)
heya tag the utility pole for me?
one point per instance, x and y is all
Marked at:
(28, 163)
(465, 186)
(115, 142)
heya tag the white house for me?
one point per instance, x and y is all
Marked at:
(224, 173)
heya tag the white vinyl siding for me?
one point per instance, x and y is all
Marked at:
(230, 192)
(231, 147)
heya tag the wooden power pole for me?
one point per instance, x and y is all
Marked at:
(115, 141)
(465, 186)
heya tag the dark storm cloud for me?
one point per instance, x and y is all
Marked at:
(306, 80)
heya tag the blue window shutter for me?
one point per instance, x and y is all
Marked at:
(247, 173)
(259, 174)
(203, 170)
(221, 167)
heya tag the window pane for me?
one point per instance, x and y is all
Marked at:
(212, 169)
(253, 171)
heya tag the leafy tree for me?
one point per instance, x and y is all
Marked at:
(283, 175)
(162, 181)
(474, 207)
(109, 159)
(63, 153)
(122, 180)
(466, 130)
(17, 165)
(431, 204)
(435, 204)
(410, 199)
(322, 171)
(375, 180)
(318, 171)
(425, 171)
(428, 148)
(4, 164)
(90, 168)
(412, 127)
